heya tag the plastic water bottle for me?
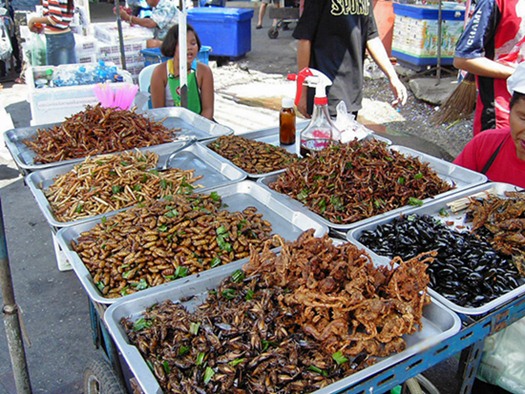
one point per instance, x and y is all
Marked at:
(83, 77)
(112, 73)
(101, 73)
(38, 51)
(49, 77)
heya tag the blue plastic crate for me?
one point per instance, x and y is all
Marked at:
(153, 55)
(226, 30)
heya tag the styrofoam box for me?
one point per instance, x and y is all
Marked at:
(131, 46)
(86, 58)
(85, 44)
(108, 32)
(415, 35)
(53, 105)
(131, 57)
(134, 68)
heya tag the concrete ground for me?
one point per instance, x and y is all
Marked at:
(53, 304)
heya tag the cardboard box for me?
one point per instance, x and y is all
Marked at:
(415, 38)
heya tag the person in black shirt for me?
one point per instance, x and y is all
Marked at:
(333, 39)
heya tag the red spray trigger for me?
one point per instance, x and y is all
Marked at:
(301, 76)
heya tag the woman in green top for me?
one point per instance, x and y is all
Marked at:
(164, 87)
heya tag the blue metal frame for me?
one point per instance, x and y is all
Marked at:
(102, 339)
(468, 341)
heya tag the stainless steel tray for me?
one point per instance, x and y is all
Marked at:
(271, 136)
(461, 177)
(190, 124)
(285, 222)
(438, 324)
(453, 220)
(214, 169)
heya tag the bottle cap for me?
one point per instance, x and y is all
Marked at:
(287, 102)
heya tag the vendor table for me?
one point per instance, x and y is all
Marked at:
(468, 342)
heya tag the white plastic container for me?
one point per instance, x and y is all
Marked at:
(53, 105)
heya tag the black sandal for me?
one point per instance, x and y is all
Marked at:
(258, 27)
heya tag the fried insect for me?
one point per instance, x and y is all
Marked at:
(254, 157)
(350, 182)
(95, 131)
(111, 182)
(290, 323)
(501, 220)
(162, 240)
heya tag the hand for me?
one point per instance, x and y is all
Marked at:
(125, 12)
(302, 107)
(35, 27)
(400, 92)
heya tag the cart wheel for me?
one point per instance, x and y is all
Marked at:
(99, 378)
(273, 33)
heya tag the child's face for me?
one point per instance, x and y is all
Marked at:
(192, 47)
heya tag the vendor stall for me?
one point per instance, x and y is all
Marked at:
(232, 224)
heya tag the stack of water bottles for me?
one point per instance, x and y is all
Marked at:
(84, 74)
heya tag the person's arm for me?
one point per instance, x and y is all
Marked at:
(159, 79)
(378, 52)
(484, 67)
(304, 48)
(471, 45)
(43, 20)
(135, 20)
(50, 18)
(205, 76)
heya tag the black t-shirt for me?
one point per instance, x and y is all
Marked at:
(338, 30)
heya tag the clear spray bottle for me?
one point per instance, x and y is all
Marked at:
(320, 131)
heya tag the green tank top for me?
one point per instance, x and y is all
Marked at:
(194, 98)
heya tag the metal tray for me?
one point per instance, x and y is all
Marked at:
(271, 136)
(285, 222)
(190, 123)
(214, 169)
(439, 323)
(433, 209)
(461, 177)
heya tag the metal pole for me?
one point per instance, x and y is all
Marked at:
(440, 39)
(120, 35)
(183, 56)
(11, 318)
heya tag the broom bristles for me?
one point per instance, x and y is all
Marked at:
(460, 104)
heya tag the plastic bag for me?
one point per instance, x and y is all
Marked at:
(5, 41)
(38, 50)
(503, 358)
(349, 127)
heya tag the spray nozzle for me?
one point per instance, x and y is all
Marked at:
(314, 79)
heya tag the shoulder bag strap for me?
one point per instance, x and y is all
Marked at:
(491, 159)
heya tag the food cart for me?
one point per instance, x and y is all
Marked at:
(448, 332)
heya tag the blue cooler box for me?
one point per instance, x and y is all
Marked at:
(226, 30)
(415, 38)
